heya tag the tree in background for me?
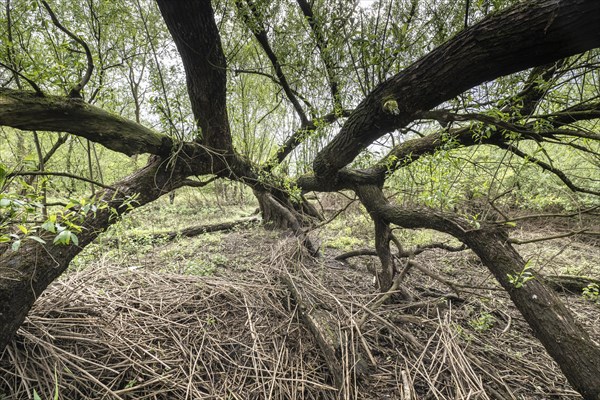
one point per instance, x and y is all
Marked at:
(293, 98)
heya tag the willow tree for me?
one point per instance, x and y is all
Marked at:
(339, 79)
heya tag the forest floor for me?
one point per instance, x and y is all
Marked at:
(217, 316)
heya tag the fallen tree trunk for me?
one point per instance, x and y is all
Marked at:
(317, 318)
(202, 229)
(570, 283)
(320, 326)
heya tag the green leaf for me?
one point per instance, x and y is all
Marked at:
(49, 226)
(16, 245)
(64, 237)
(3, 173)
(75, 239)
(23, 229)
(37, 239)
(511, 224)
(71, 204)
(36, 396)
(4, 239)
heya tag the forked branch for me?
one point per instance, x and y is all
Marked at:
(76, 90)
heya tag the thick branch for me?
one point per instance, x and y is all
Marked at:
(193, 28)
(27, 111)
(529, 34)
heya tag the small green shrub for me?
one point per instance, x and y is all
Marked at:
(483, 323)
(522, 277)
(592, 292)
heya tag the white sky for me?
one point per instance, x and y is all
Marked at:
(365, 3)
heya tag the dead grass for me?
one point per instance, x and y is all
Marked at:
(108, 332)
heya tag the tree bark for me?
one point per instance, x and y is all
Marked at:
(565, 339)
(26, 273)
(529, 34)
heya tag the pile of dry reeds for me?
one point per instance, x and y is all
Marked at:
(117, 333)
(120, 334)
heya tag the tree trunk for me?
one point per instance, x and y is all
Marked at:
(26, 273)
(280, 213)
(553, 324)
(195, 33)
(385, 277)
(565, 339)
(275, 216)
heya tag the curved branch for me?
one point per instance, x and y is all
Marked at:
(552, 237)
(445, 116)
(198, 184)
(528, 34)
(322, 45)
(404, 254)
(579, 112)
(64, 174)
(27, 111)
(546, 216)
(31, 83)
(76, 90)
(560, 174)
(252, 20)
(275, 81)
